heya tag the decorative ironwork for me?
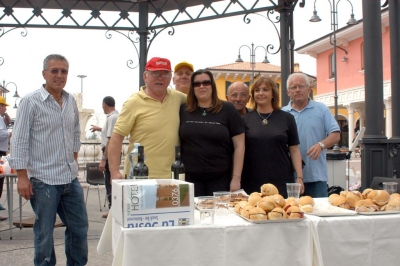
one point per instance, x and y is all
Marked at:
(3, 32)
(129, 63)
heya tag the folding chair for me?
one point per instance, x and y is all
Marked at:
(94, 177)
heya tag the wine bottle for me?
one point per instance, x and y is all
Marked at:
(140, 171)
(177, 168)
(133, 158)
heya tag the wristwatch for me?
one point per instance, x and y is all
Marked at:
(322, 145)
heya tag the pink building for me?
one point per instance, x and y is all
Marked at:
(350, 75)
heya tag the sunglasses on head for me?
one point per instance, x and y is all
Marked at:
(204, 83)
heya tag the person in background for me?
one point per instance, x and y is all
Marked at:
(108, 106)
(4, 137)
(182, 73)
(44, 152)
(318, 130)
(272, 144)
(150, 117)
(238, 94)
(212, 138)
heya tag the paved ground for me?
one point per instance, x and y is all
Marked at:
(19, 250)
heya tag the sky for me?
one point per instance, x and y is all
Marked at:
(104, 61)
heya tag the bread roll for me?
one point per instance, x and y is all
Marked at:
(394, 195)
(292, 202)
(294, 212)
(366, 192)
(306, 200)
(267, 204)
(352, 197)
(393, 205)
(344, 193)
(245, 210)
(239, 206)
(254, 198)
(306, 208)
(257, 214)
(366, 205)
(269, 189)
(332, 197)
(280, 200)
(341, 202)
(381, 197)
(277, 214)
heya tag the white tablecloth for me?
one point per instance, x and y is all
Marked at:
(231, 241)
(358, 240)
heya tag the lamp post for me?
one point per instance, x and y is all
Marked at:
(334, 26)
(82, 77)
(252, 58)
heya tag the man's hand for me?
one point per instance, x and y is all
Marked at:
(95, 128)
(24, 186)
(117, 175)
(102, 165)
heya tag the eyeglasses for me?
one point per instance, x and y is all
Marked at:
(156, 74)
(301, 87)
(241, 95)
(55, 71)
(204, 83)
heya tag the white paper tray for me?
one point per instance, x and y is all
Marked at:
(324, 209)
(270, 221)
(379, 213)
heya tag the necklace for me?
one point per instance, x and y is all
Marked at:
(59, 99)
(204, 111)
(265, 120)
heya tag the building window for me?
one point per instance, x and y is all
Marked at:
(332, 66)
(362, 56)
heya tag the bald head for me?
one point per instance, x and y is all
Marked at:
(238, 94)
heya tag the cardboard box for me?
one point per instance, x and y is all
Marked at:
(152, 202)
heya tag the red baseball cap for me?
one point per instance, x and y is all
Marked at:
(158, 63)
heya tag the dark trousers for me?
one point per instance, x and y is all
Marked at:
(2, 153)
(107, 177)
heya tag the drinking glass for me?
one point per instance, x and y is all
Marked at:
(206, 206)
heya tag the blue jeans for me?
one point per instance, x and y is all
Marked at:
(68, 202)
(317, 189)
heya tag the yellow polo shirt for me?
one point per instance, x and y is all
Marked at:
(155, 126)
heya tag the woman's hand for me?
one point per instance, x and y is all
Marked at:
(235, 183)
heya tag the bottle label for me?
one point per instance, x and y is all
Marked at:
(182, 177)
(141, 177)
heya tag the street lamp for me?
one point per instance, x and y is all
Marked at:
(252, 58)
(4, 89)
(334, 27)
(82, 77)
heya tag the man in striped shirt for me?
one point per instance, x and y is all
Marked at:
(44, 151)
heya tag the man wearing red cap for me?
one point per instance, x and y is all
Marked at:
(151, 118)
(182, 73)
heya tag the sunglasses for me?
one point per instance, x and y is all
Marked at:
(56, 71)
(204, 83)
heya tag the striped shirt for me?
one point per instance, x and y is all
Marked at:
(45, 137)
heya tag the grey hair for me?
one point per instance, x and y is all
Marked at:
(56, 57)
(297, 75)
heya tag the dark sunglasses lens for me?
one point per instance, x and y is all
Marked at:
(207, 83)
(196, 84)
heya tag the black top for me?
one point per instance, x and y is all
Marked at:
(206, 141)
(267, 158)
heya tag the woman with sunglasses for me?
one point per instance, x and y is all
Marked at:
(212, 138)
(272, 143)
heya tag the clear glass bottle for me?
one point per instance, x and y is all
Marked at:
(140, 171)
(133, 158)
(177, 168)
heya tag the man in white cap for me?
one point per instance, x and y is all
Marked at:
(151, 118)
(4, 136)
(182, 73)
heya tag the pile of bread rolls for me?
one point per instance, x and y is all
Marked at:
(269, 205)
(369, 200)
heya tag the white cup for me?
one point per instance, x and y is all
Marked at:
(222, 200)
(293, 190)
(206, 206)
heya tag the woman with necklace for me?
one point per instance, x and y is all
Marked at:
(272, 144)
(212, 138)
